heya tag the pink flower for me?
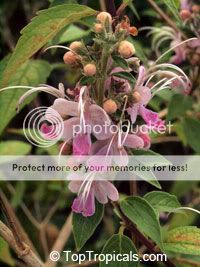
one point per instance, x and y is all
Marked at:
(115, 146)
(143, 133)
(81, 145)
(151, 118)
(180, 51)
(84, 203)
(82, 122)
(185, 4)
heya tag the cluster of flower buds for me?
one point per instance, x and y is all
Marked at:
(94, 62)
(188, 13)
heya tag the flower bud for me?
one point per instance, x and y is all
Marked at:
(75, 46)
(110, 106)
(103, 16)
(136, 96)
(133, 31)
(98, 27)
(126, 49)
(195, 59)
(70, 58)
(196, 8)
(185, 14)
(90, 69)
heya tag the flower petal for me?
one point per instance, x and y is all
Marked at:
(65, 108)
(89, 206)
(97, 116)
(99, 192)
(111, 190)
(70, 128)
(81, 145)
(48, 131)
(149, 116)
(133, 141)
(74, 186)
(145, 93)
(133, 112)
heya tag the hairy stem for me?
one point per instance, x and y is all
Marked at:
(102, 75)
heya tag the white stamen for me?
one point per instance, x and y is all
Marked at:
(50, 90)
(16, 87)
(81, 107)
(186, 208)
(63, 47)
(172, 48)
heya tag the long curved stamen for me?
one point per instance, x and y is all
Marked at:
(63, 47)
(126, 134)
(186, 208)
(158, 44)
(155, 85)
(174, 47)
(57, 46)
(52, 91)
(61, 150)
(16, 87)
(81, 108)
(86, 187)
(110, 144)
(141, 77)
(172, 66)
(169, 73)
(120, 143)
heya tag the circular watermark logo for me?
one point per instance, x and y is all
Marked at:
(43, 126)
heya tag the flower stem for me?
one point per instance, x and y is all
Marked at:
(102, 75)
(110, 5)
(165, 17)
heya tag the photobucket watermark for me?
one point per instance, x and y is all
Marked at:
(107, 129)
(43, 127)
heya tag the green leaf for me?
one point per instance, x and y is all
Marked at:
(141, 213)
(32, 73)
(42, 29)
(125, 75)
(173, 6)
(14, 148)
(148, 176)
(84, 227)
(5, 255)
(154, 158)
(181, 188)
(70, 34)
(162, 201)
(178, 106)
(121, 62)
(20, 188)
(192, 132)
(61, 2)
(119, 244)
(87, 80)
(178, 128)
(184, 240)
